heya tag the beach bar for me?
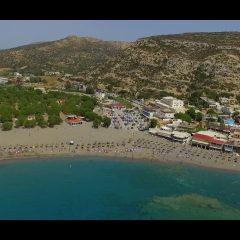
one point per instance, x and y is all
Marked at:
(201, 140)
(73, 120)
(181, 137)
(232, 145)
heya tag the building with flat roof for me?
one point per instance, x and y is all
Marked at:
(232, 145)
(236, 134)
(227, 101)
(211, 103)
(164, 134)
(216, 126)
(182, 137)
(100, 95)
(173, 102)
(149, 112)
(176, 136)
(165, 113)
(227, 110)
(187, 127)
(3, 80)
(159, 103)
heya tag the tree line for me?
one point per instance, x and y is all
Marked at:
(26, 107)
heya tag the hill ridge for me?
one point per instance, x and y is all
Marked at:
(177, 63)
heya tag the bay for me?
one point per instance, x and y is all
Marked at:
(110, 189)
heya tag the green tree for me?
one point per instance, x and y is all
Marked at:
(15, 112)
(191, 112)
(43, 124)
(54, 120)
(92, 116)
(90, 90)
(7, 126)
(39, 118)
(96, 123)
(220, 120)
(40, 121)
(235, 114)
(5, 117)
(211, 112)
(199, 116)
(184, 117)
(17, 124)
(153, 123)
(20, 121)
(29, 123)
(106, 121)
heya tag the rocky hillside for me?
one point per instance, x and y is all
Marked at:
(179, 64)
(72, 54)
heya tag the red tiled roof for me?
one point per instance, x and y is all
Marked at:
(215, 141)
(202, 137)
(205, 138)
(74, 120)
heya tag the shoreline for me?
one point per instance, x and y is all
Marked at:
(108, 143)
(114, 157)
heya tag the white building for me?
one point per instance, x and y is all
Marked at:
(211, 103)
(165, 113)
(50, 73)
(100, 95)
(161, 104)
(26, 79)
(149, 112)
(3, 80)
(226, 101)
(227, 110)
(16, 74)
(173, 102)
(170, 102)
(175, 123)
(176, 136)
(182, 137)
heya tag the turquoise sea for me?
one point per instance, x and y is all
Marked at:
(88, 188)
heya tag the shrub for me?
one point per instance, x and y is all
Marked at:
(106, 121)
(96, 123)
(7, 126)
(153, 123)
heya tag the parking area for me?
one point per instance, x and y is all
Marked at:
(128, 119)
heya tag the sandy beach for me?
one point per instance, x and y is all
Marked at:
(37, 142)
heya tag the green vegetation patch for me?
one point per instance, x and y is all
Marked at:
(26, 107)
(124, 101)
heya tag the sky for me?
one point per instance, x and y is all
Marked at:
(20, 32)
